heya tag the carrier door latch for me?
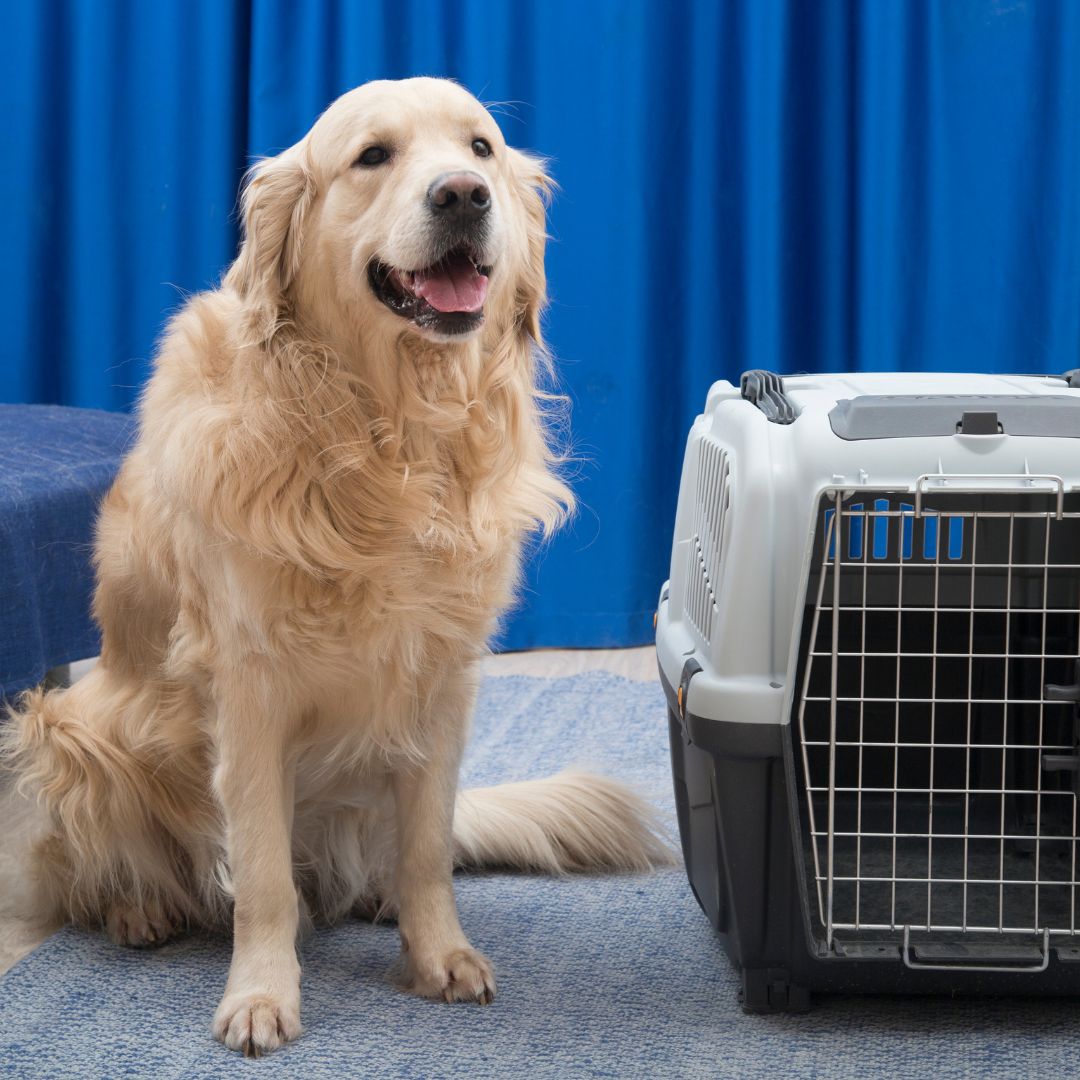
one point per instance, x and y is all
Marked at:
(1065, 693)
(979, 423)
(690, 669)
(1066, 762)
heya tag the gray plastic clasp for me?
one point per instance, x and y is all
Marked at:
(979, 423)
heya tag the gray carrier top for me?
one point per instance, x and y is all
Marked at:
(760, 458)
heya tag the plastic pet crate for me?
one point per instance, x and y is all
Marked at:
(870, 644)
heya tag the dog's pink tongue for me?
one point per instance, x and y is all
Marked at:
(452, 285)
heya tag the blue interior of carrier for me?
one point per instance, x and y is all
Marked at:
(880, 525)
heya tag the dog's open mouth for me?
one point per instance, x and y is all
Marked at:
(447, 297)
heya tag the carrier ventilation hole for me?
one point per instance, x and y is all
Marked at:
(711, 504)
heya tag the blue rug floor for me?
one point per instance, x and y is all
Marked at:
(598, 977)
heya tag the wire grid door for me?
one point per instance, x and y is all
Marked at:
(939, 769)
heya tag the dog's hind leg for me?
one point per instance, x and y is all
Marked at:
(122, 817)
(142, 925)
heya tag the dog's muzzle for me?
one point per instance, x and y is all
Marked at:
(446, 296)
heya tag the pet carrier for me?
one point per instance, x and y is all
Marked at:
(870, 644)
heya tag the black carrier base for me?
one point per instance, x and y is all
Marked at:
(736, 808)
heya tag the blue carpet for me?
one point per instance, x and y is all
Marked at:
(598, 977)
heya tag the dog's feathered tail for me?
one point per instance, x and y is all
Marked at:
(23, 822)
(25, 919)
(569, 822)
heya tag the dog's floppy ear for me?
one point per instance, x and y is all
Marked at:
(534, 189)
(277, 196)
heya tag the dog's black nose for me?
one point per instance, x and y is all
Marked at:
(459, 197)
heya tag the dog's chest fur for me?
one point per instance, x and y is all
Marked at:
(424, 599)
(362, 536)
(344, 540)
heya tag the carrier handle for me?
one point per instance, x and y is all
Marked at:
(917, 965)
(765, 391)
(965, 484)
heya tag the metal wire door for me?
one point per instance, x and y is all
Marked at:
(937, 713)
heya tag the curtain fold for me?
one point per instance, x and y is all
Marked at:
(786, 184)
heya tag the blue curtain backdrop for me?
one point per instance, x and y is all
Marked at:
(797, 185)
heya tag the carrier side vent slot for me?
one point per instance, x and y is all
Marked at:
(712, 502)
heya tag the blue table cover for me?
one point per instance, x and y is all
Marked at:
(56, 464)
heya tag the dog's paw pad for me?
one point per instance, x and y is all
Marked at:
(255, 1024)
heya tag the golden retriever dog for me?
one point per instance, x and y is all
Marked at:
(341, 451)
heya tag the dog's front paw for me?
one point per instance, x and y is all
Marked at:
(257, 1023)
(461, 975)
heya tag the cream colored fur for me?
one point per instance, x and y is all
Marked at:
(298, 568)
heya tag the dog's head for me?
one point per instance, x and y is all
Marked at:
(403, 209)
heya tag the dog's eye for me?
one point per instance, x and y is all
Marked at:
(373, 155)
(481, 148)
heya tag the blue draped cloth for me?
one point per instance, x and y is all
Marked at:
(55, 466)
(802, 185)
